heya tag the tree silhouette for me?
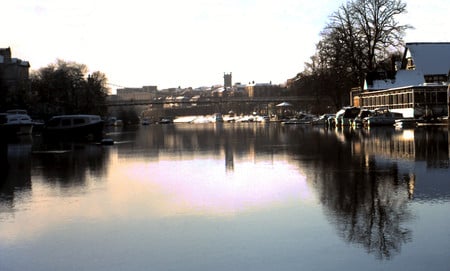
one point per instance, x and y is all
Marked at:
(66, 88)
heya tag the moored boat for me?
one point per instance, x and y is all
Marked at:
(218, 117)
(15, 123)
(346, 115)
(165, 120)
(382, 117)
(76, 127)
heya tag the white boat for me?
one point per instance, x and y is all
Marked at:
(358, 120)
(346, 115)
(165, 120)
(264, 119)
(77, 127)
(323, 119)
(382, 117)
(297, 121)
(15, 122)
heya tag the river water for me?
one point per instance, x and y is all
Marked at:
(243, 196)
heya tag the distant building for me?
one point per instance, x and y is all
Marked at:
(417, 89)
(227, 80)
(143, 93)
(14, 73)
(263, 90)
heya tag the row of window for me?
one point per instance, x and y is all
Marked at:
(405, 99)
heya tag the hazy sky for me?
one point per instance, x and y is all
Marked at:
(171, 43)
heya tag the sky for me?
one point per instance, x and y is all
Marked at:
(181, 43)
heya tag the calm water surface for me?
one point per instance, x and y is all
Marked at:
(228, 197)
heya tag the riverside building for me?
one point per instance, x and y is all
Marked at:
(417, 88)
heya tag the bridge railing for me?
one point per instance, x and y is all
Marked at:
(212, 100)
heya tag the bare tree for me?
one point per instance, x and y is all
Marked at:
(360, 36)
(377, 28)
(64, 88)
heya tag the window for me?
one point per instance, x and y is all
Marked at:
(78, 121)
(53, 122)
(442, 97)
(66, 122)
(419, 97)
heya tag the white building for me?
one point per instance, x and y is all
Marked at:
(418, 88)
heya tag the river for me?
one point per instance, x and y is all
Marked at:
(232, 196)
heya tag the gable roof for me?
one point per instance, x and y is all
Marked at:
(430, 58)
(402, 78)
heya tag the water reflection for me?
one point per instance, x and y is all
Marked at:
(364, 181)
(229, 142)
(15, 176)
(209, 169)
(367, 180)
(69, 163)
(64, 165)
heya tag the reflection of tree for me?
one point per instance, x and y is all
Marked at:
(72, 165)
(369, 207)
(363, 190)
(366, 200)
(15, 173)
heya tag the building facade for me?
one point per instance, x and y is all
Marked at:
(417, 89)
(14, 73)
(263, 90)
(135, 94)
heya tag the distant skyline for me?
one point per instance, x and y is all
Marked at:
(182, 43)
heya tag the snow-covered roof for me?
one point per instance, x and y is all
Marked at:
(431, 58)
(428, 58)
(402, 78)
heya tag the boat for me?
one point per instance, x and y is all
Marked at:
(15, 123)
(346, 115)
(218, 117)
(297, 121)
(382, 117)
(323, 119)
(405, 123)
(165, 120)
(145, 121)
(76, 127)
(265, 119)
(358, 120)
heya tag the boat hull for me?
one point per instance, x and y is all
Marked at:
(12, 130)
(15, 123)
(74, 127)
(87, 132)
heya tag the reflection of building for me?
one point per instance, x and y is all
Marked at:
(398, 145)
(420, 144)
(13, 72)
(417, 89)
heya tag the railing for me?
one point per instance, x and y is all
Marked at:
(213, 100)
